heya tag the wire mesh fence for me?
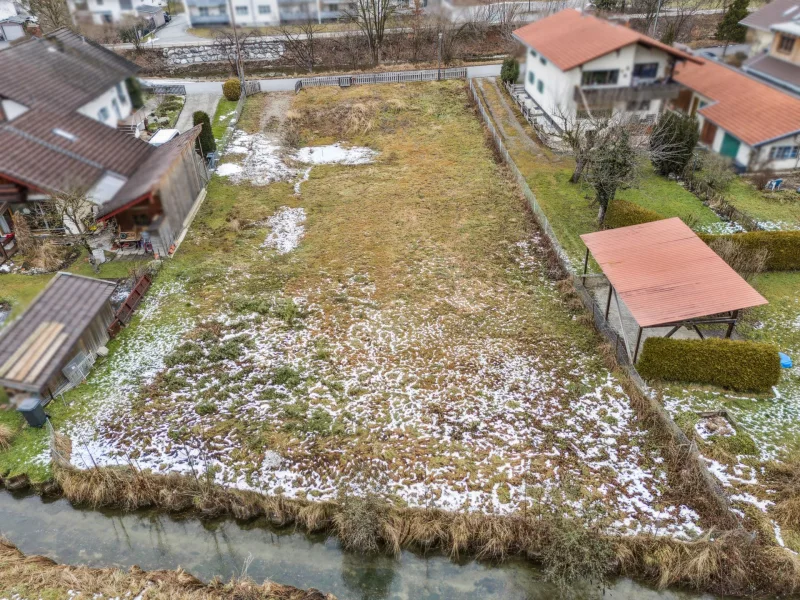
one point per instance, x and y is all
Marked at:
(388, 77)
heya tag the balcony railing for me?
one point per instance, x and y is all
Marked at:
(209, 19)
(655, 90)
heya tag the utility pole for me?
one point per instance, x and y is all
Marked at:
(655, 21)
(439, 64)
(239, 64)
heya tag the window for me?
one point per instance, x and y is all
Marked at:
(533, 53)
(609, 77)
(241, 11)
(786, 44)
(115, 106)
(99, 2)
(203, 10)
(543, 60)
(103, 114)
(121, 94)
(645, 70)
(531, 77)
(333, 7)
(639, 105)
(126, 4)
(264, 9)
(540, 86)
(783, 152)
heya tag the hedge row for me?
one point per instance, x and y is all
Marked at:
(742, 366)
(783, 246)
(622, 213)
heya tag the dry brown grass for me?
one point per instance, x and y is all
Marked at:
(6, 436)
(744, 261)
(43, 577)
(46, 256)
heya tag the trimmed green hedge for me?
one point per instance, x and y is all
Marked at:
(742, 366)
(622, 213)
(783, 246)
(231, 89)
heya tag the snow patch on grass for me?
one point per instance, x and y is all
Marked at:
(287, 229)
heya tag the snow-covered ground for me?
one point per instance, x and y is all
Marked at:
(475, 390)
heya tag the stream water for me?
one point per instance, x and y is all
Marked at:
(156, 541)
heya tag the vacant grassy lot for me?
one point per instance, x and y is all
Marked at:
(773, 210)
(570, 207)
(391, 328)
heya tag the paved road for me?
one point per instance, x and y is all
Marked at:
(194, 102)
(286, 85)
(175, 31)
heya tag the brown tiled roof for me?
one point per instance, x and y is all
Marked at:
(570, 38)
(151, 172)
(54, 77)
(776, 11)
(778, 71)
(63, 71)
(664, 273)
(748, 109)
(36, 345)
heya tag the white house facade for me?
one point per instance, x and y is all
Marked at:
(114, 11)
(754, 124)
(579, 66)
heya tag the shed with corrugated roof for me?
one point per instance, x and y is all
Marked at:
(53, 344)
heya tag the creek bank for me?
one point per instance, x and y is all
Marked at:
(732, 563)
(224, 548)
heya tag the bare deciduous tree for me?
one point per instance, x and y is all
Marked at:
(580, 135)
(52, 14)
(225, 45)
(611, 165)
(76, 211)
(300, 44)
(506, 16)
(371, 17)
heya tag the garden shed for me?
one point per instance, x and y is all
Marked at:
(667, 278)
(53, 344)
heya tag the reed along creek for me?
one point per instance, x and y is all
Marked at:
(151, 540)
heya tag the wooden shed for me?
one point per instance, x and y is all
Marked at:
(54, 343)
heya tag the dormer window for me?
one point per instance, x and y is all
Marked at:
(786, 44)
(103, 114)
(65, 134)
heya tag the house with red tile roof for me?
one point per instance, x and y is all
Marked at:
(581, 66)
(61, 98)
(753, 123)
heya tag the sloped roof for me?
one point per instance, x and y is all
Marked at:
(63, 70)
(570, 38)
(151, 173)
(51, 147)
(664, 273)
(776, 11)
(752, 111)
(35, 346)
(780, 72)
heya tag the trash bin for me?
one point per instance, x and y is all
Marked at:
(33, 411)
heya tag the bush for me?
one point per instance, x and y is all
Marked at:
(672, 142)
(746, 261)
(714, 175)
(231, 89)
(205, 141)
(783, 247)
(135, 92)
(622, 213)
(742, 366)
(509, 73)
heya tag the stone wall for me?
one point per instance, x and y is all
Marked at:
(262, 50)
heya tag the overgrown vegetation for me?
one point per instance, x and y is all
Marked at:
(781, 248)
(41, 577)
(738, 365)
(205, 142)
(672, 142)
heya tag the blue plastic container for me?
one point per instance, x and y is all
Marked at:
(786, 362)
